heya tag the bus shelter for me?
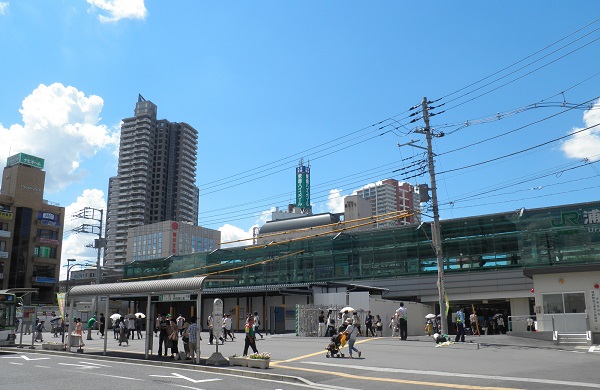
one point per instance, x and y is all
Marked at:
(146, 289)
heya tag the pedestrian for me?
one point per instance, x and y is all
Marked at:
(460, 326)
(500, 322)
(174, 339)
(131, 327)
(138, 326)
(530, 325)
(394, 326)
(185, 339)
(101, 325)
(473, 323)
(351, 334)
(429, 327)
(180, 321)
(90, 326)
(79, 331)
(123, 332)
(250, 340)
(321, 323)
(227, 329)
(369, 324)
(330, 324)
(115, 325)
(378, 326)
(157, 325)
(356, 322)
(55, 322)
(39, 328)
(257, 324)
(192, 334)
(401, 314)
(163, 336)
(341, 321)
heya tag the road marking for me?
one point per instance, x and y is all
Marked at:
(18, 364)
(592, 348)
(38, 366)
(314, 354)
(95, 364)
(24, 357)
(116, 376)
(82, 366)
(403, 381)
(461, 375)
(176, 375)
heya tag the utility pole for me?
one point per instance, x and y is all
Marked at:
(95, 215)
(436, 236)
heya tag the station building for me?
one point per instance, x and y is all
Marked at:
(543, 263)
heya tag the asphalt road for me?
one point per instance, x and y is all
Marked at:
(487, 362)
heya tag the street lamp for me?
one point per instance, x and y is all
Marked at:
(66, 297)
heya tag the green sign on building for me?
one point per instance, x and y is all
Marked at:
(25, 159)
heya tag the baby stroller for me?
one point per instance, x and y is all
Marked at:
(337, 342)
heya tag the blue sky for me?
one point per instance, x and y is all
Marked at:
(269, 82)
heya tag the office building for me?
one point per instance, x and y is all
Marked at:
(169, 238)
(155, 180)
(31, 231)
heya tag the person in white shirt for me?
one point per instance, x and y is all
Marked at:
(351, 333)
(227, 327)
(401, 313)
(257, 324)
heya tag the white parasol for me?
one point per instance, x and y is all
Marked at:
(140, 315)
(347, 308)
(430, 316)
(115, 316)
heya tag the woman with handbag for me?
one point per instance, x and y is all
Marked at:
(174, 339)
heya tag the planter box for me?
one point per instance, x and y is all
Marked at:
(259, 363)
(53, 346)
(238, 361)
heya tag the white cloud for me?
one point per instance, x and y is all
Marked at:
(335, 201)
(587, 143)
(120, 9)
(233, 233)
(74, 244)
(60, 125)
(3, 7)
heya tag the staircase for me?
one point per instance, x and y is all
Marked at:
(572, 338)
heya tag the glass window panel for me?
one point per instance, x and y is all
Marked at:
(553, 303)
(574, 302)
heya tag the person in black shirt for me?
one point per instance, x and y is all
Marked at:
(163, 336)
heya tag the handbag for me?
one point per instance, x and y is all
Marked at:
(173, 336)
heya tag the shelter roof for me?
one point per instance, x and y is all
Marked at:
(151, 287)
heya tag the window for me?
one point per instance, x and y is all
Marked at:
(562, 303)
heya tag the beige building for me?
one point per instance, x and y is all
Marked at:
(31, 230)
(169, 238)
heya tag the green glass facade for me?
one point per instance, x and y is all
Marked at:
(568, 234)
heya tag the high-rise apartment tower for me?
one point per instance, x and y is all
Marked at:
(155, 179)
(389, 196)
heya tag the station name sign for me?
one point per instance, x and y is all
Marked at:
(174, 297)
